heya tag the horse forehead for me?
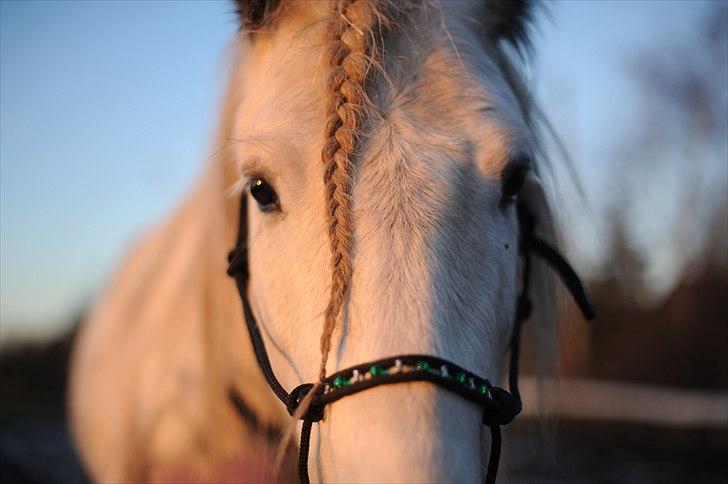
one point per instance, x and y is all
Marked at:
(455, 95)
(442, 144)
(444, 125)
(445, 96)
(460, 87)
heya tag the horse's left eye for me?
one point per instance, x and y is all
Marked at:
(264, 194)
(513, 177)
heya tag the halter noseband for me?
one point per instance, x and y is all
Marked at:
(499, 406)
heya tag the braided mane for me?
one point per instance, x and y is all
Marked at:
(349, 53)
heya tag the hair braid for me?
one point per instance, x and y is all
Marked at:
(349, 54)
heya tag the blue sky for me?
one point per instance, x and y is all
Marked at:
(107, 111)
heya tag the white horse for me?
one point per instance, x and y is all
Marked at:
(404, 239)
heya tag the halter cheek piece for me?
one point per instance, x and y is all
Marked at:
(499, 406)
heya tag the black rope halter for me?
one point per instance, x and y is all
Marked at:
(499, 406)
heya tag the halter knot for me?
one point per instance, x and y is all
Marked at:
(315, 413)
(510, 406)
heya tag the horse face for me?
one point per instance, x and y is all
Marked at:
(434, 251)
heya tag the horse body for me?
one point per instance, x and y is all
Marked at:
(433, 261)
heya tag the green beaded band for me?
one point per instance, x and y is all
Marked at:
(441, 370)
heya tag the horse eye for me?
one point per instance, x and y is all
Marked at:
(264, 194)
(513, 176)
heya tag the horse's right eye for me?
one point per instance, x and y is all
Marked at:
(513, 177)
(264, 194)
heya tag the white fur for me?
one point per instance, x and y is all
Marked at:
(435, 269)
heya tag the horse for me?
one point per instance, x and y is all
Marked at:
(381, 149)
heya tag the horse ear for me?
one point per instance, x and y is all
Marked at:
(508, 20)
(254, 14)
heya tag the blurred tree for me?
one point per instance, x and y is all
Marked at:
(662, 292)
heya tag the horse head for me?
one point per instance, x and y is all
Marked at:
(381, 149)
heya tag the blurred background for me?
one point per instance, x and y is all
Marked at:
(106, 114)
